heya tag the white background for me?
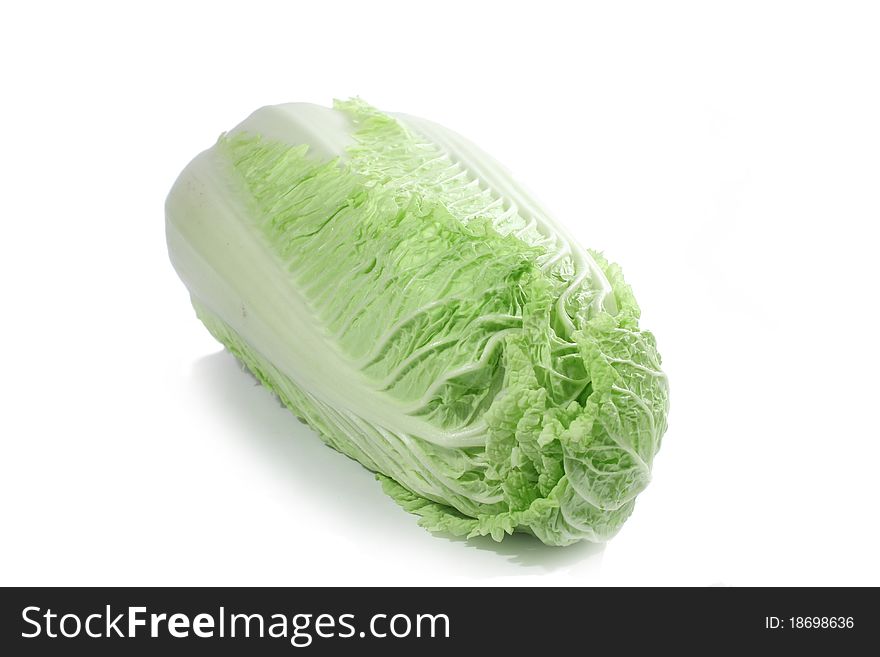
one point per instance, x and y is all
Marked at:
(726, 154)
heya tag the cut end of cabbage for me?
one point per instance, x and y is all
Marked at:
(402, 294)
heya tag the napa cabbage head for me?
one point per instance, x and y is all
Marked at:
(404, 296)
